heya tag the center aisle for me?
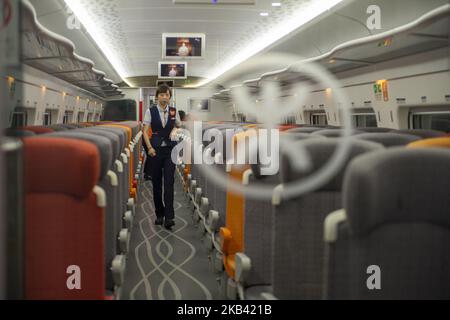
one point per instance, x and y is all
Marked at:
(165, 265)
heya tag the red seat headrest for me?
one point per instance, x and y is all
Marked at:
(37, 129)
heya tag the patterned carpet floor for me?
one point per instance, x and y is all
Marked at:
(167, 265)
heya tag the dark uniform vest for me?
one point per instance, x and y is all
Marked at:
(160, 134)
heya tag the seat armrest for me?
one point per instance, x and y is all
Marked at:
(243, 265)
(225, 239)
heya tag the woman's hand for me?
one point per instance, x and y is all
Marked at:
(152, 152)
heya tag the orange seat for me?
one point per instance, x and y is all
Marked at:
(443, 142)
(232, 235)
(64, 219)
(283, 128)
(187, 171)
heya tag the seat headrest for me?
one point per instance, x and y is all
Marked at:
(57, 127)
(375, 129)
(113, 138)
(288, 137)
(443, 142)
(304, 130)
(320, 153)
(127, 130)
(335, 133)
(300, 136)
(37, 129)
(57, 165)
(19, 133)
(398, 186)
(104, 147)
(424, 134)
(118, 131)
(388, 139)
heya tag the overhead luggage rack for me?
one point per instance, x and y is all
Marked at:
(53, 54)
(426, 33)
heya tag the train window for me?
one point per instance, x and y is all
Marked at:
(319, 119)
(364, 120)
(47, 119)
(19, 119)
(289, 120)
(431, 120)
(67, 117)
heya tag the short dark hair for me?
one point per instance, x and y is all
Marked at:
(164, 88)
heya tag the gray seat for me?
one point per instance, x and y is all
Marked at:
(106, 182)
(125, 160)
(304, 130)
(258, 233)
(118, 200)
(394, 230)
(135, 128)
(58, 127)
(217, 205)
(298, 222)
(124, 187)
(388, 139)
(11, 153)
(301, 136)
(258, 238)
(335, 133)
(375, 130)
(3, 220)
(424, 134)
(17, 133)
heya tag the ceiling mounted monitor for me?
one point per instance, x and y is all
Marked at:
(172, 70)
(183, 45)
(199, 105)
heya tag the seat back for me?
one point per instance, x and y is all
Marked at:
(422, 133)
(106, 182)
(335, 133)
(304, 130)
(443, 142)
(37, 129)
(58, 127)
(298, 222)
(232, 235)
(258, 222)
(375, 130)
(130, 167)
(64, 219)
(12, 149)
(117, 202)
(124, 176)
(3, 220)
(16, 133)
(396, 221)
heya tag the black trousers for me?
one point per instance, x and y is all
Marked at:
(148, 162)
(163, 166)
